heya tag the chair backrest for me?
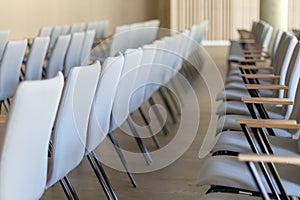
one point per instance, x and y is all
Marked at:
(10, 67)
(35, 62)
(65, 29)
(119, 40)
(45, 31)
(276, 42)
(101, 110)
(138, 95)
(101, 28)
(87, 47)
(292, 79)
(26, 139)
(73, 52)
(80, 27)
(69, 136)
(3, 40)
(57, 57)
(57, 31)
(120, 110)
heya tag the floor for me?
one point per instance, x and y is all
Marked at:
(168, 177)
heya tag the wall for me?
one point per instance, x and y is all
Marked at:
(25, 17)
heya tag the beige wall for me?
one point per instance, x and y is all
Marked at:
(25, 17)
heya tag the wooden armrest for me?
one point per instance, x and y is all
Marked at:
(281, 124)
(266, 121)
(260, 100)
(294, 160)
(3, 119)
(255, 67)
(265, 87)
(251, 76)
(252, 60)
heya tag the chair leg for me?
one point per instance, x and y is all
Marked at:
(71, 188)
(168, 106)
(92, 163)
(65, 189)
(6, 105)
(139, 142)
(173, 99)
(106, 179)
(158, 115)
(149, 128)
(122, 158)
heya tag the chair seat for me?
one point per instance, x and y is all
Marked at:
(236, 141)
(228, 122)
(229, 171)
(228, 196)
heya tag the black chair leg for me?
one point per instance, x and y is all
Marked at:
(106, 179)
(65, 189)
(149, 128)
(92, 163)
(71, 188)
(168, 106)
(121, 156)
(159, 117)
(175, 103)
(139, 142)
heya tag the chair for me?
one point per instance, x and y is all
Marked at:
(79, 27)
(73, 52)
(10, 68)
(3, 40)
(100, 116)
(24, 148)
(57, 57)
(87, 46)
(45, 31)
(69, 134)
(36, 58)
(57, 31)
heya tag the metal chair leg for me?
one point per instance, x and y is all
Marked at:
(149, 128)
(168, 106)
(158, 115)
(175, 103)
(139, 142)
(106, 179)
(6, 105)
(121, 156)
(71, 188)
(65, 189)
(92, 163)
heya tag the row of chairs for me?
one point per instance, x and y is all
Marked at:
(100, 28)
(62, 123)
(69, 51)
(127, 36)
(256, 133)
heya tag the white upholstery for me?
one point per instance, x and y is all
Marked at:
(3, 40)
(45, 31)
(87, 46)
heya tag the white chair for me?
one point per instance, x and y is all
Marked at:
(3, 40)
(101, 28)
(57, 57)
(57, 31)
(36, 58)
(87, 47)
(24, 145)
(45, 31)
(100, 116)
(78, 27)
(65, 29)
(10, 68)
(69, 134)
(73, 52)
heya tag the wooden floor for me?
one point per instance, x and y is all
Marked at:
(176, 181)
